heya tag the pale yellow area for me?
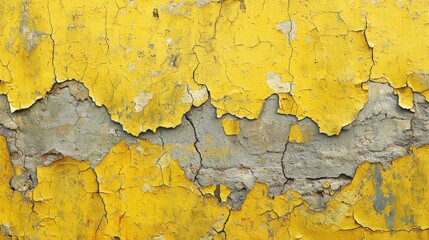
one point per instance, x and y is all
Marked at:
(150, 62)
(138, 191)
(326, 185)
(231, 126)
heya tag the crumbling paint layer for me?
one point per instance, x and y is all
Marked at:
(132, 200)
(278, 150)
(150, 62)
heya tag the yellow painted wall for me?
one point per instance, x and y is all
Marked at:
(129, 195)
(149, 68)
(149, 62)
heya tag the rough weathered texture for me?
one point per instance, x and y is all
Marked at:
(284, 117)
(265, 150)
(381, 132)
(56, 126)
(150, 62)
(133, 199)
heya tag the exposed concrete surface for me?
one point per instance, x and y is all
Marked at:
(270, 108)
(67, 123)
(59, 125)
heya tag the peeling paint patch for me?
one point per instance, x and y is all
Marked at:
(275, 82)
(181, 69)
(119, 49)
(231, 126)
(111, 201)
(265, 150)
(295, 134)
(288, 28)
(141, 101)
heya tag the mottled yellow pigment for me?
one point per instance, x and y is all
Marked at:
(128, 195)
(231, 126)
(150, 62)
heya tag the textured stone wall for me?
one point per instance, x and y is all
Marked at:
(235, 119)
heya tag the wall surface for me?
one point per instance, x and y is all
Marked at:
(214, 119)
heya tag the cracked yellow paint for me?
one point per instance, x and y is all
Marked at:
(330, 61)
(247, 58)
(127, 200)
(128, 195)
(150, 62)
(398, 32)
(66, 201)
(140, 66)
(15, 212)
(378, 204)
(26, 71)
(231, 126)
(138, 183)
(256, 216)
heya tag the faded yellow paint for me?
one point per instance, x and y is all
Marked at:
(231, 126)
(299, 134)
(150, 62)
(326, 185)
(295, 134)
(128, 195)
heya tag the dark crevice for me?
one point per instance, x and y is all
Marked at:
(371, 48)
(196, 149)
(283, 165)
(53, 42)
(289, 39)
(102, 201)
